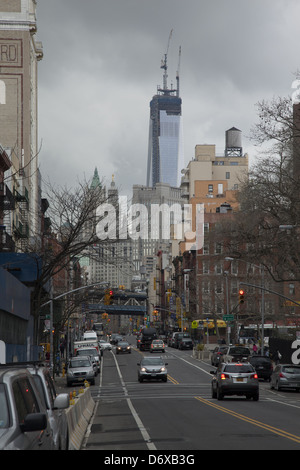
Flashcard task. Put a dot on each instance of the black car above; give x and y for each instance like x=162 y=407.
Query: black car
x=123 y=347
x=185 y=343
x=263 y=366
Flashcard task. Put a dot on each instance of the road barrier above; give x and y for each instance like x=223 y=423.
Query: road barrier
x=78 y=417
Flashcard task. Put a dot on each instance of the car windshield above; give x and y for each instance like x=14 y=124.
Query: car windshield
x=87 y=352
x=122 y=343
x=239 y=350
x=4 y=410
x=291 y=369
x=156 y=361
x=238 y=368
x=79 y=363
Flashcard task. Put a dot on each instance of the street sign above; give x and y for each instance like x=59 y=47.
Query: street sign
x=228 y=317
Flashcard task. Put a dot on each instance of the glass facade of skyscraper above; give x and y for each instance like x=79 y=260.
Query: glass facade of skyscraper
x=165 y=157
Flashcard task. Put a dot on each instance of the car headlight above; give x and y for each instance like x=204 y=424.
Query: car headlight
x=163 y=369
x=143 y=369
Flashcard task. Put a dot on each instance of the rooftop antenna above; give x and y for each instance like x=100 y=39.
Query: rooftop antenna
x=164 y=64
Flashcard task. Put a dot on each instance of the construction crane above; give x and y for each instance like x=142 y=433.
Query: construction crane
x=177 y=73
x=164 y=64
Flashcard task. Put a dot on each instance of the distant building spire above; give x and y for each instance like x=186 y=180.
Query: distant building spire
x=96 y=181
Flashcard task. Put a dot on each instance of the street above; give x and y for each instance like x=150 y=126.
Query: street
x=180 y=415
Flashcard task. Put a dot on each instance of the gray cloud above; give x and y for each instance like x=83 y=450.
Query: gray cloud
x=101 y=68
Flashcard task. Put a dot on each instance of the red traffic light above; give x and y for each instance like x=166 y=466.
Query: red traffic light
x=241 y=296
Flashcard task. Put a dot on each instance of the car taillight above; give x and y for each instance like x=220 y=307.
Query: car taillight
x=254 y=376
x=224 y=376
x=281 y=375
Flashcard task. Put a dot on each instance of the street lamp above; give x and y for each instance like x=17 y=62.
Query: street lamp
x=262 y=269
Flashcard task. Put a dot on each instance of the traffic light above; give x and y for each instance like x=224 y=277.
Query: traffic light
x=241 y=296
x=109 y=297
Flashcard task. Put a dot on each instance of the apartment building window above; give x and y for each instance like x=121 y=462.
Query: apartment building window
x=206 y=287
x=234 y=287
x=218 y=268
x=210 y=188
x=219 y=288
x=205 y=267
x=206 y=249
x=218 y=249
x=291 y=289
x=228 y=175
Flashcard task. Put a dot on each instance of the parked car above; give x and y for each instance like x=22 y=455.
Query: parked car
x=235 y=379
x=176 y=338
x=80 y=368
x=157 y=345
x=263 y=366
x=54 y=404
x=90 y=335
x=217 y=355
x=185 y=343
x=93 y=353
x=236 y=353
x=123 y=347
x=152 y=368
x=286 y=376
x=24 y=423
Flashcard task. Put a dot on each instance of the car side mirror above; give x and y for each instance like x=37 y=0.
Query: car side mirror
x=213 y=372
x=138 y=363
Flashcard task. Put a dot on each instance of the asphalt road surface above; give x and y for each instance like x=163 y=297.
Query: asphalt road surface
x=180 y=415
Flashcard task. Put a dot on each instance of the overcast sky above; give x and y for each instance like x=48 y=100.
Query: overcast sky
x=101 y=67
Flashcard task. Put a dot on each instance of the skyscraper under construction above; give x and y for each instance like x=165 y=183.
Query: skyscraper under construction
x=165 y=150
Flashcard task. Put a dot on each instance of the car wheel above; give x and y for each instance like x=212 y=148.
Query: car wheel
x=165 y=379
x=256 y=397
x=213 y=393
x=140 y=379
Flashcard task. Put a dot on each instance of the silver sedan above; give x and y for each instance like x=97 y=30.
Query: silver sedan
x=286 y=376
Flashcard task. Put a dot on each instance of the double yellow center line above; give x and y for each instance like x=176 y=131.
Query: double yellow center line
x=267 y=427
x=174 y=381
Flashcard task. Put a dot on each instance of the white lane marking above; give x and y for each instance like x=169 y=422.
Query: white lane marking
x=138 y=421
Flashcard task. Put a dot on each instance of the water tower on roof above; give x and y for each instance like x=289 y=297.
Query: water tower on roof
x=233 y=146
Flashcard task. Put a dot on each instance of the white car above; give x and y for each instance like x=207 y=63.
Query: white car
x=104 y=345
x=54 y=404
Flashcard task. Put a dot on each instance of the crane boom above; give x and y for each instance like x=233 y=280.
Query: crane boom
x=164 y=63
x=178 y=69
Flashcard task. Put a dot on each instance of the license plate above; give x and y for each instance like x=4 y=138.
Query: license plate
x=239 y=379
